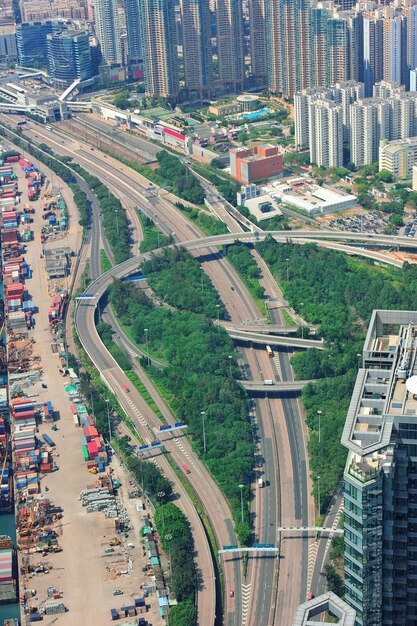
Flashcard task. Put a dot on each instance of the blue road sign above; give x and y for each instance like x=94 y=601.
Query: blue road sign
x=230 y=547
x=263 y=545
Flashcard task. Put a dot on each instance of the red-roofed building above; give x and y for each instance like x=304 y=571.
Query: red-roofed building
x=249 y=164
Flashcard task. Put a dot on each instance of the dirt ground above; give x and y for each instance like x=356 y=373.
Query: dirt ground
x=81 y=570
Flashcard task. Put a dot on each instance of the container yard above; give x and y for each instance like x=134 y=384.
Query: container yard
x=78 y=513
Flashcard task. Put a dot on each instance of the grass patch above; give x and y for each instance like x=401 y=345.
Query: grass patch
x=208 y=224
x=105 y=262
x=152 y=236
x=134 y=378
x=288 y=320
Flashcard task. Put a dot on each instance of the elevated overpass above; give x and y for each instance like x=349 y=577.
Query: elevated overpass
x=274 y=340
x=268 y=329
x=276 y=388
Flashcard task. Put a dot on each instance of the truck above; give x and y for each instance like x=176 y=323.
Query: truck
x=268 y=382
x=261 y=483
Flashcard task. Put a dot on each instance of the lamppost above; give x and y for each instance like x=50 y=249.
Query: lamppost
x=108 y=418
x=218 y=317
x=302 y=321
x=202 y=276
x=318 y=488
x=117 y=221
x=147 y=346
x=241 y=500
x=161 y=494
x=203 y=413
x=359 y=359
x=319 y=413
x=168 y=538
x=288 y=270
x=230 y=365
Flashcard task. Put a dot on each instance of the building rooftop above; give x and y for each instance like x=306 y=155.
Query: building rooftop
x=307 y=612
x=391 y=147
x=309 y=196
x=381 y=394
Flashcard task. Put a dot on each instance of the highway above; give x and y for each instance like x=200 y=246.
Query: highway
x=214 y=502
x=282 y=414
x=246 y=336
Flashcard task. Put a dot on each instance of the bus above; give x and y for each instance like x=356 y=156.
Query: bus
x=269 y=352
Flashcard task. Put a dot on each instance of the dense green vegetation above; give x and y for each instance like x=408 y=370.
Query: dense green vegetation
x=240 y=257
x=178 y=279
x=199 y=377
x=177 y=541
x=147 y=474
x=182 y=182
x=227 y=187
x=207 y=223
x=183 y=614
x=339 y=293
x=152 y=236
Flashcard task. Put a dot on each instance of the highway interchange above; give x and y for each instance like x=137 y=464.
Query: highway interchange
x=273 y=587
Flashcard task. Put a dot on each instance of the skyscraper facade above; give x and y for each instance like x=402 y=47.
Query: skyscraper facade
x=133 y=30
x=288 y=45
x=230 y=52
x=380 y=477
x=196 y=44
x=108 y=30
x=373 y=51
x=326 y=133
x=69 y=57
x=31 y=43
x=369 y=123
x=160 y=60
x=258 y=48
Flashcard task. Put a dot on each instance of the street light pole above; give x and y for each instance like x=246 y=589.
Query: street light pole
x=117 y=221
x=288 y=270
x=302 y=319
x=161 y=494
x=230 y=365
x=168 y=538
x=203 y=413
x=108 y=418
x=147 y=346
x=359 y=359
x=318 y=487
x=218 y=318
x=241 y=500
x=319 y=413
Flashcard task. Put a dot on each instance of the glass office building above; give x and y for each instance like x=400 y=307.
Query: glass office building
x=31 y=38
x=380 y=478
x=69 y=57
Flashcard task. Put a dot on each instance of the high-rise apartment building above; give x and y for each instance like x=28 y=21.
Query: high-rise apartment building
x=380 y=477
x=32 y=48
x=229 y=37
x=69 y=58
x=326 y=133
x=320 y=46
x=258 y=50
x=369 y=123
x=108 y=30
x=160 y=60
x=288 y=45
x=196 y=47
x=373 y=52
x=395 y=49
x=133 y=31
x=343 y=94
